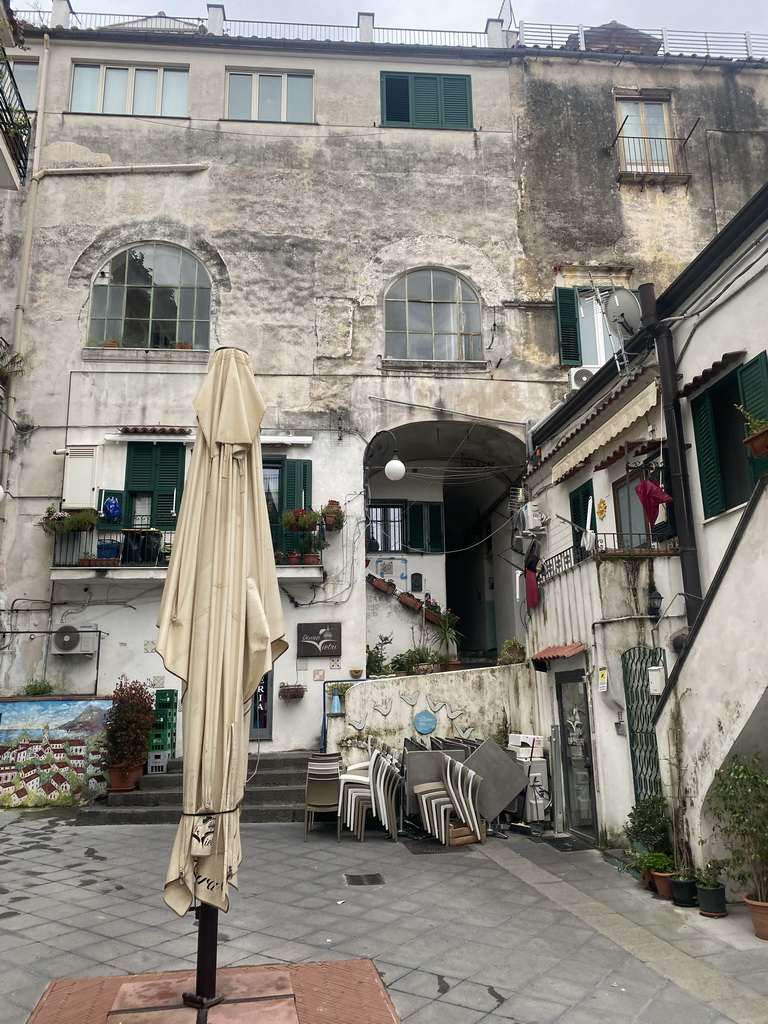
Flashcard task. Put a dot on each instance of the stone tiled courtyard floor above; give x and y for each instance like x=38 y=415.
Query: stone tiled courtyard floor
x=510 y=931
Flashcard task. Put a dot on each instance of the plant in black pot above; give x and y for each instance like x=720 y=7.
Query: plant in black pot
x=127 y=726
x=710 y=890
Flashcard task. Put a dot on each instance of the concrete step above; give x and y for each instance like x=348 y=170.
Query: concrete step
x=255 y=796
x=264 y=778
x=100 y=813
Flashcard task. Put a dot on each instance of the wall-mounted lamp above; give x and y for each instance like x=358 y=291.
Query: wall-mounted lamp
x=395 y=468
x=655 y=601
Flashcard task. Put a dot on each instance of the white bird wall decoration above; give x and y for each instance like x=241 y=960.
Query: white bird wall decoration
x=453 y=715
x=412 y=699
x=359 y=725
x=384 y=708
x=464 y=733
x=434 y=707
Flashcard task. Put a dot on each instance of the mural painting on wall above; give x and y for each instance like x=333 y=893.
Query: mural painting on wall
x=49 y=751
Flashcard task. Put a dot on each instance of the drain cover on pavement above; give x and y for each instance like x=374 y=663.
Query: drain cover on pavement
x=431 y=846
x=364 y=879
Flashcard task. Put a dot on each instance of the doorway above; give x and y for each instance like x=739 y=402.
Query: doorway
x=578 y=772
x=261 y=711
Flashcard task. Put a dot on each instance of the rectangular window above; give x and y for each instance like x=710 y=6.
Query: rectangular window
x=426 y=101
x=25 y=76
x=270 y=96
x=727 y=472
x=645 y=139
x=414 y=526
x=287 y=485
x=143 y=92
x=582 y=327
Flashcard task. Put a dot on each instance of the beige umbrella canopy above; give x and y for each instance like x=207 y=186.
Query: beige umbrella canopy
x=221 y=626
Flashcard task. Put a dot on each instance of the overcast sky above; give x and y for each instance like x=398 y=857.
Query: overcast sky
x=467 y=15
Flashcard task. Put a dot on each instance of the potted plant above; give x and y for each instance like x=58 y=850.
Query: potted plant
x=379 y=583
x=403 y=664
x=424 y=658
x=711 y=891
x=757 y=433
x=512 y=653
x=312 y=545
x=54 y=522
x=127 y=726
x=375 y=665
x=648 y=825
x=291 y=691
x=299 y=519
x=431 y=610
x=661 y=867
x=448 y=637
x=410 y=601
x=87 y=558
x=334 y=515
x=738 y=802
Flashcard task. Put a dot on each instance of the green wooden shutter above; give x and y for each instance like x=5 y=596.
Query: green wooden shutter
x=395 y=98
x=753 y=392
x=567 y=305
x=579 y=503
x=296 y=493
x=457 y=101
x=426 y=101
x=168 y=485
x=436 y=542
x=139 y=467
x=414 y=525
x=104 y=522
x=712 y=496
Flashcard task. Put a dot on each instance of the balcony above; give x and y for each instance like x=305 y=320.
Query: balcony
x=652 y=161
x=15 y=130
x=608 y=545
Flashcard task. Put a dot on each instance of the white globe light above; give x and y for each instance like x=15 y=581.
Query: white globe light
x=394 y=470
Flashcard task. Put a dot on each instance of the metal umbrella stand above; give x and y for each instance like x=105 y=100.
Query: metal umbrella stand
x=220 y=630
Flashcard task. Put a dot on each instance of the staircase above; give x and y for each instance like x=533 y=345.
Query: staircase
x=275 y=793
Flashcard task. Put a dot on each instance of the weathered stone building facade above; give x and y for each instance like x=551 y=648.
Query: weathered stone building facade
x=382 y=222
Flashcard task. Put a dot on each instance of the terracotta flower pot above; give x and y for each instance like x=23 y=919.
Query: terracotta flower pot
x=662 y=882
x=311 y=558
x=123 y=777
x=330 y=524
x=294 y=558
x=758 y=443
x=410 y=602
x=759 y=914
x=431 y=616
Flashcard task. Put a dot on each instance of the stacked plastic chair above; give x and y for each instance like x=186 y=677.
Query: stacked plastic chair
x=321 y=792
x=455 y=795
x=372 y=786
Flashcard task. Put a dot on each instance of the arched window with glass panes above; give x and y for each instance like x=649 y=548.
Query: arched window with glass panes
x=151 y=295
x=432 y=314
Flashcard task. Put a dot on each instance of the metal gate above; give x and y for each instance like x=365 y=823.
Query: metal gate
x=640 y=707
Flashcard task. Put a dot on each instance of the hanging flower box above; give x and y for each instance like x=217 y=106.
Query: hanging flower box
x=378 y=583
x=758 y=443
x=410 y=602
x=300 y=519
x=291 y=691
x=431 y=616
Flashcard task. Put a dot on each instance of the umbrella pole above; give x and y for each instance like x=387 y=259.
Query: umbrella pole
x=207 y=940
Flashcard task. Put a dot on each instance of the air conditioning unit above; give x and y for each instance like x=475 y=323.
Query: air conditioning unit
x=579 y=376
x=530 y=520
x=76 y=640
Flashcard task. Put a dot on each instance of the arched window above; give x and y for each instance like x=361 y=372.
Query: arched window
x=432 y=314
x=152 y=295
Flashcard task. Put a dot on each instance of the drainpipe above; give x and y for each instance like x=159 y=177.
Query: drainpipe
x=26 y=251
x=673 y=421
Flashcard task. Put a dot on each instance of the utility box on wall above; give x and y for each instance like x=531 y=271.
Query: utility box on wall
x=82 y=474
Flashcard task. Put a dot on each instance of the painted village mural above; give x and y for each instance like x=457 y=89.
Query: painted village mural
x=49 y=751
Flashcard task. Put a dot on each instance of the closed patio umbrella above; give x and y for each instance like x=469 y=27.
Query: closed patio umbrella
x=220 y=627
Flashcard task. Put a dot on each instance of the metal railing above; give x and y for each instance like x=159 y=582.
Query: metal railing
x=713 y=45
x=640 y=154
x=15 y=126
x=620 y=545
x=716 y=45
x=133 y=546
x=428 y=37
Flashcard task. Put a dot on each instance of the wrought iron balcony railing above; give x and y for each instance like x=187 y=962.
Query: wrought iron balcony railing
x=619 y=545
x=15 y=127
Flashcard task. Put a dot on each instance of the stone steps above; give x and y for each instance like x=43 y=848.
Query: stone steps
x=275 y=792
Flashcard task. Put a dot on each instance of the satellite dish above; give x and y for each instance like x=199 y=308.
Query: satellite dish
x=623 y=313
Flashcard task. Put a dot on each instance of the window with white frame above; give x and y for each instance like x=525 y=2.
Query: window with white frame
x=646 y=138
x=270 y=96
x=112 y=89
x=432 y=314
x=151 y=295
x=25 y=76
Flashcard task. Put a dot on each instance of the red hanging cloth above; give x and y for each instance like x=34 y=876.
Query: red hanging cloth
x=651 y=496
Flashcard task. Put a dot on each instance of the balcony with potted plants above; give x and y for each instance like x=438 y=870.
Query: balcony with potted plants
x=299 y=558
x=87 y=543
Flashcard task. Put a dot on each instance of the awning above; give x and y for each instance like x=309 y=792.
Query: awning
x=558 y=651
x=711 y=371
x=622 y=420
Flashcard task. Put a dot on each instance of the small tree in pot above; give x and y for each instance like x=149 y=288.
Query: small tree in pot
x=127 y=726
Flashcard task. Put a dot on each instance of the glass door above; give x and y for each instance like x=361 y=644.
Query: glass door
x=261 y=720
x=573 y=707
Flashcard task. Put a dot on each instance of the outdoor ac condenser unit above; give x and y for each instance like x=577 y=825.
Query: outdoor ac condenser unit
x=76 y=640
x=579 y=375
x=529 y=519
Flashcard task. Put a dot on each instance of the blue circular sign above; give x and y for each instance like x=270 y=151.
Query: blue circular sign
x=424 y=723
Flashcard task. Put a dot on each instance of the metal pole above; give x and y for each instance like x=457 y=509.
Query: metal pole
x=207 y=939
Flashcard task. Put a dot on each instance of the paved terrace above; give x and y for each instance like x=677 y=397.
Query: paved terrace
x=511 y=931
